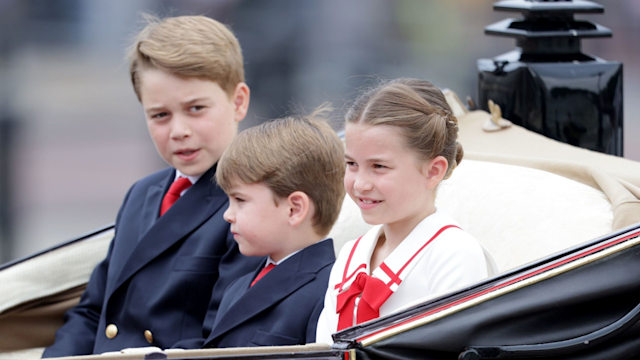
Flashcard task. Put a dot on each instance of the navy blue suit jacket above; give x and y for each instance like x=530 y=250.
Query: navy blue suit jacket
x=282 y=308
x=159 y=273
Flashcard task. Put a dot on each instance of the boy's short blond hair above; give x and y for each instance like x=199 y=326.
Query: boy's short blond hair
x=188 y=46
x=290 y=154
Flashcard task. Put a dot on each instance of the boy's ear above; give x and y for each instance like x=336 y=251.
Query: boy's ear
x=299 y=207
x=241 y=96
x=435 y=170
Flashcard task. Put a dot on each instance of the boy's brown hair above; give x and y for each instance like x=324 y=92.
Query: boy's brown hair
x=290 y=154
x=188 y=46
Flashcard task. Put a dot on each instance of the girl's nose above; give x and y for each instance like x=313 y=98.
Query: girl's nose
x=361 y=183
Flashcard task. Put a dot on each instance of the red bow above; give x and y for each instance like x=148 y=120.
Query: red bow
x=374 y=293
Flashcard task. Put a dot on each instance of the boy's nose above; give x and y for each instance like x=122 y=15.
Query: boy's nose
x=227 y=215
x=180 y=128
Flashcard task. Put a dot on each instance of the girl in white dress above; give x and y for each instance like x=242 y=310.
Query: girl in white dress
x=400 y=144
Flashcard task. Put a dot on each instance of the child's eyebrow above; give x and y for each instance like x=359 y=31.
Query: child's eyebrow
x=195 y=100
x=154 y=108
x=377 y=161
x=369 y=160
x=234 y=193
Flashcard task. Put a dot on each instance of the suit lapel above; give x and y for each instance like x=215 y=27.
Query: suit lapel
x=197 y=205
x=151 y=206
x=279 y=283
x=130 y=238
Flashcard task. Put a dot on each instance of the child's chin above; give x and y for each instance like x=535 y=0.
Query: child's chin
x=192 y=170
x=370 y=220
x=249 y=252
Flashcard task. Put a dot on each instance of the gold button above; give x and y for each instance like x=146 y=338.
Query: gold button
x=111 y=331
x=149 y=336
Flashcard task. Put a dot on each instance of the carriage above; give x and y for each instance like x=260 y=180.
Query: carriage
x=560 y=226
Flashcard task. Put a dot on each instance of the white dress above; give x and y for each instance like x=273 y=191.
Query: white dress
x=435 y=258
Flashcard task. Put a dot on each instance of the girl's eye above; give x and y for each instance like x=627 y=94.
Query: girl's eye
x=196 y=108
x=351 y=163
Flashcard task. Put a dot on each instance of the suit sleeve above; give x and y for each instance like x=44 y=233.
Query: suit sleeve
x=328 y=319
x=77 y=334
x=313 y=321
x=327 y=322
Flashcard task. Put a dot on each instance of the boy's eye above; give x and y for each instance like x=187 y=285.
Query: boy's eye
x=379 y=166
x=196 y=108
x=159 y=115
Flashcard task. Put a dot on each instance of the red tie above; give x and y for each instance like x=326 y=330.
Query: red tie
x=181 y=184
x=263 y=272
x=374 y=294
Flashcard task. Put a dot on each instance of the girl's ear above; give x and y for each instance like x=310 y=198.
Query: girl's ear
x=241 y=96
x=435 y=170
x=299 y=207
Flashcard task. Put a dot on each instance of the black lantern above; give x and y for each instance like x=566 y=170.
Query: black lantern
x=547 y=84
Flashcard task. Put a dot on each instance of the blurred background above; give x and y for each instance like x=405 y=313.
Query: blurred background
x=73 y=136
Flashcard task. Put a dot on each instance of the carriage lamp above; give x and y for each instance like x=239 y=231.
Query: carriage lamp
x=547 y=84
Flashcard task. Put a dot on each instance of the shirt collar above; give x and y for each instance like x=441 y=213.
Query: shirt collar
x=193 y=179
x=270 y=260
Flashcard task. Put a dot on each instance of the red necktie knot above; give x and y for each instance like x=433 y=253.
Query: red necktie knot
x=373 y=293
x=181 y=184
x=263 y=272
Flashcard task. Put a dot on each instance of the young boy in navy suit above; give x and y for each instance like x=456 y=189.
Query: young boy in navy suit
x=284 y=180
x=171 y=243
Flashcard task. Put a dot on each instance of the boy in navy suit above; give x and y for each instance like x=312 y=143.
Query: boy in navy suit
x=172 y=255
x=284 y=182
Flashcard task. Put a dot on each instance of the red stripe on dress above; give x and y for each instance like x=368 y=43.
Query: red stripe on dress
x=346 y=268
x=425 y=245
x=394 y=278
x=372 y=291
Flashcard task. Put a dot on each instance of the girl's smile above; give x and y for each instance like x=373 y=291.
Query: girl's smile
x=385 y=178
